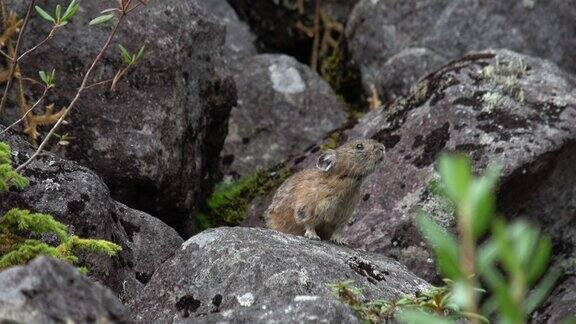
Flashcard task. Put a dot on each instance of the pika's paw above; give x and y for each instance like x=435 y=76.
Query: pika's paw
x=339 y=241
x=312 y=236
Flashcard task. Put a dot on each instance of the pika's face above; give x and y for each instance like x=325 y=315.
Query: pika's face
x=356 y=158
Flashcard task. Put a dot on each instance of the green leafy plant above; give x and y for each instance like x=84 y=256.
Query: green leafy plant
x=511 y=260
x=59 y=17
x=436 y=300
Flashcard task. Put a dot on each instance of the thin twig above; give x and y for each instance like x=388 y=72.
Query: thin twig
x=6 y=55
x=316 y=43
x=76 y=97
x=14 y=63
x=98 y=84
x=49 y=37
x=46 y=89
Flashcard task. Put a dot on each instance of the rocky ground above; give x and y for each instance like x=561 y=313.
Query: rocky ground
x=228 y=90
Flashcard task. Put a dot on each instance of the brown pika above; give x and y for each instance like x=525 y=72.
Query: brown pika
x=317 y=203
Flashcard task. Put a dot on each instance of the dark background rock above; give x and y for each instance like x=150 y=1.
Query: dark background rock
x=240 y=41
x=77 y=197
x=49 y=291
x=163 y=128
x=561 y=304
x=380 y=32
x=244 y=272
x=275 y=22
x=283 y=107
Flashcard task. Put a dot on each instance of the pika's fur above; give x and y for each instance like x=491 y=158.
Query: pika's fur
x=317 y=203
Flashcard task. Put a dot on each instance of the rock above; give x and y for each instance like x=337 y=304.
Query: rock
x=276 y=23
x=240 y=41
x=283 y=107
x=256 y=275
x=50 y=291
x=163 y=128
x=560 y=306
x=518 y=113
x=77 y=197
x=151 y=241
x=396 y=42
x=525 y=124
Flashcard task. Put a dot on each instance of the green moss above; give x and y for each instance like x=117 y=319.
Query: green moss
x=8 y=177
x=436 y=300
x=229 y=203
x=334 y=140
x=17 y=225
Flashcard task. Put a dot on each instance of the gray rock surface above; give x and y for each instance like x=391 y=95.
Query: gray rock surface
x=240 y=41
x=48 y=291
x=77 y=197
x=163 y=128
x=256 y=275
x=533 y=139
x=383 y=35
x=283 y=107
x=560 y=306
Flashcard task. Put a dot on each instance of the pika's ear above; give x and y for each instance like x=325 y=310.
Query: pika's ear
x=326 y=160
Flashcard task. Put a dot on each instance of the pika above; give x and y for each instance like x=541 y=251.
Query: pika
x=317 y=203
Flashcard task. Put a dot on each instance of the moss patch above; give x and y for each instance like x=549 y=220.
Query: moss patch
x=229 y=203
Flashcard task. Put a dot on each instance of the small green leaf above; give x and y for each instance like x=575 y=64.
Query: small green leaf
x=71 y=10
x=140 y=53
x=101 y=19
x=540 y=259
x=44 y=14
x=480 y=202
x=126 y=57
x=58 y=12
x=456 y=174
x=43 y=77
x=542 y=290
x=444 y=245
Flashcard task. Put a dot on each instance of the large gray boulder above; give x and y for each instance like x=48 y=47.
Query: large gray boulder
x=397 y=42
x=283 y=107
x=163 y=128
x=254 y=275
x=77 y=197
x=48 y=291
x=494 y=106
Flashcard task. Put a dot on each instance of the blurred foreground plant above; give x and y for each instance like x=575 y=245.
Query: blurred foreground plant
x=510 y=262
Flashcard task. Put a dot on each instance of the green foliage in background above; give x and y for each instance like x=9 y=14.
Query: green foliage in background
x=493 y=270
x=20 y=230
x=229 y=202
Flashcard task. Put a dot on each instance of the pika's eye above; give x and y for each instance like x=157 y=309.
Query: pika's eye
x=359 y=146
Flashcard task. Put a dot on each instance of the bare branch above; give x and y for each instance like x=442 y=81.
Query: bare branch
x=16 y=49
